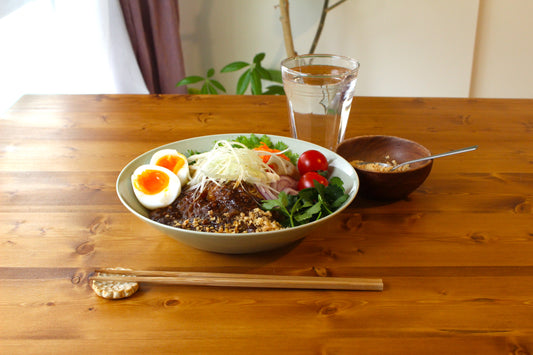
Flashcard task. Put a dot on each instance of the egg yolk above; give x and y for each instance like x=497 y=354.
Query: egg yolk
x=151 y=182
x=171 y=162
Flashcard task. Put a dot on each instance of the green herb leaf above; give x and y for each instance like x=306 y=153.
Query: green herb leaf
x=192 y=152
x=271 y=204
x=335 y=180
x=283 y=198
x=309 y=195
x=340 y=201
x=266 y=139
x=251 y=142
x=280 y=205
x=310 y=204
x=289 y=154
x=308 y=213
x=210 y=72
x=279 y=145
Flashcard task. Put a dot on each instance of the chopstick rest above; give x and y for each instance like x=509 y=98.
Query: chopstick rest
x=237 y=280
x=114 y=289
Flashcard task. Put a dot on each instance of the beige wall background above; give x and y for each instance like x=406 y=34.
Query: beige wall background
x=437 y=48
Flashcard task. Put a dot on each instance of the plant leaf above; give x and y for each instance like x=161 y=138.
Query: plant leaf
x=210 y=72
x=193 y=91
x=275 y=75
x=259 y=57
x=205 y=89
x=256 y=83
x=263 y=73
x=218 y=85
x=190 y=80
x=211 y=89
x=234 y=67
x=243 y=82
x=274 y=90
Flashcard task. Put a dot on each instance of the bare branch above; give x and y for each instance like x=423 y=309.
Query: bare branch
x=320 y=27
x=335 y=5
x=286 y=26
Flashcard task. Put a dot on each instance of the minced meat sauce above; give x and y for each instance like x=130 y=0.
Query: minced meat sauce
x=221 y=208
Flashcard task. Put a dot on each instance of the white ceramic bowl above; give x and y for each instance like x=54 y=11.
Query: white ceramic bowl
x=226 y=242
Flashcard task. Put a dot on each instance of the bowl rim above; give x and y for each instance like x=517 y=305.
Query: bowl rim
x=352 y=193
x=419 y=167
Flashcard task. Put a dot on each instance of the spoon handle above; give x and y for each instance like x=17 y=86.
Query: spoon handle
x=451 y=152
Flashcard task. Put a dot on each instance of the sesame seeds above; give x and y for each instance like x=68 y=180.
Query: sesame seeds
x=380 y=168
x=255 y=220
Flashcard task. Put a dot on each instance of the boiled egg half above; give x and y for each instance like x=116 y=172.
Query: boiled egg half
x=173 y=161
x=155 y=186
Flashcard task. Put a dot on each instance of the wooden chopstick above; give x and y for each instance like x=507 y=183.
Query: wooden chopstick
x=239 y=280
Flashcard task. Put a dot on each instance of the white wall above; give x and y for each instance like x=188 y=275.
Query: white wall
x=503 y=66
x=452 y=48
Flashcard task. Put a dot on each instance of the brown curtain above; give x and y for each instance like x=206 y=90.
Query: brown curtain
x=153 y=28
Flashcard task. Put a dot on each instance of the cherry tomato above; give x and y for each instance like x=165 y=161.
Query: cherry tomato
x=307 y=180
x=312 y=160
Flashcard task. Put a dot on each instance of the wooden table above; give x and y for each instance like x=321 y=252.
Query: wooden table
x=456 y=257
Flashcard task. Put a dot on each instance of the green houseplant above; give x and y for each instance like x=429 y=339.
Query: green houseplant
x=253 y=76
x=255 y=73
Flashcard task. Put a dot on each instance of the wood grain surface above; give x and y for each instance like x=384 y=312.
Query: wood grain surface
x=456 y=256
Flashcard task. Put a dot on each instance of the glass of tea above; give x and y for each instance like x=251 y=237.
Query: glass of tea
x=319 y=89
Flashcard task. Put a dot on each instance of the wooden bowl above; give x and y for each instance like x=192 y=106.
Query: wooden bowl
x=387 y=185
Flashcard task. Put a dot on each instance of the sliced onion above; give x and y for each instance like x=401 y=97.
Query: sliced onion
x=286 y=184
x=266 y=192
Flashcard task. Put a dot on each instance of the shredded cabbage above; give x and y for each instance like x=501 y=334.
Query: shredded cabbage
x=230 y=161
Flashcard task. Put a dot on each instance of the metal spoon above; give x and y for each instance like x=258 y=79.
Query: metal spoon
x=451 y=152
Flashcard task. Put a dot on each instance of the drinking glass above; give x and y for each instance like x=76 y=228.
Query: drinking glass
x=319 y=90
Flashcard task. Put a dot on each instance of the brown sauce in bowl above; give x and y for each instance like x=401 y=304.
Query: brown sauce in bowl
x=223 y=208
